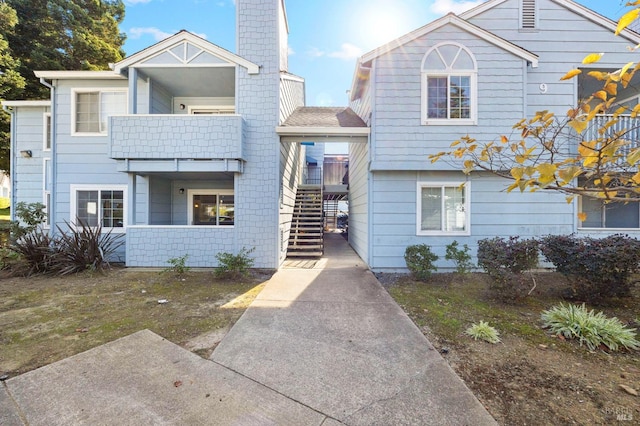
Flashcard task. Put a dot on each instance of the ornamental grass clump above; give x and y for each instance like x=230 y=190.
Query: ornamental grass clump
x=483 y=331
x=590 y=328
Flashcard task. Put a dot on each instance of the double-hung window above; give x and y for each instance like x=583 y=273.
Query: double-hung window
x=443 y=208
x=97 y=205
x=92 y=109
x=449 y=92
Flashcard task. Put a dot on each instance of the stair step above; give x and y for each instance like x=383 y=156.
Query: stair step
x=310 y=254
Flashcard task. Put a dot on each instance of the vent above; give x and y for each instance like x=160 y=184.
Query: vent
x=529 y=14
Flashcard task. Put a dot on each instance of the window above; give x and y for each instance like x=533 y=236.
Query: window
x=46 y=137
x=449 y=85
x=95 y=206
x=92 y=109
x=211 y=207
x=609 y=215
x=443 y=208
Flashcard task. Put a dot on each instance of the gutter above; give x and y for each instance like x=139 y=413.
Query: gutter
x=54 y=160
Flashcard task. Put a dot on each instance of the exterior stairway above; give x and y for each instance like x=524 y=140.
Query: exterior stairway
x=305 y=239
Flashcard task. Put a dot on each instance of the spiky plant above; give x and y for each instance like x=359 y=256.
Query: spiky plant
x=483 y=331
x=588 y=327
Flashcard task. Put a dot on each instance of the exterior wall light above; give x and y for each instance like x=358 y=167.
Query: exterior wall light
x=26 y=153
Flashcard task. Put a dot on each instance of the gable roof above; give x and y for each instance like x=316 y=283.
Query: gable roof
x=189 y=41
x=463 y=25
x=568 y=4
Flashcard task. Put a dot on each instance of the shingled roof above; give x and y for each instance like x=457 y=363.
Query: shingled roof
x=326 y=117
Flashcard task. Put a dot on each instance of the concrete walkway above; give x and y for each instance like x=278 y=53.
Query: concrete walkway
x=323 y=345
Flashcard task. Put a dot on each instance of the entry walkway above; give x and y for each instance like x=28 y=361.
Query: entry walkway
x=320 y=346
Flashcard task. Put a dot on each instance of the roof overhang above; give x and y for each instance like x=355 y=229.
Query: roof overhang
x=13 y=104
x=74 y=75
x=323 y=134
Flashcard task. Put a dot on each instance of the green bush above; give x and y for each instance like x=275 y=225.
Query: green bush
x=590 y=328
x=234 y=265
x=505 y=261
x=8 y=258
x=597 y=268
x=420 y=259
x=460 y=257
x=178 y=265
x=483 y=331
x=29 y=217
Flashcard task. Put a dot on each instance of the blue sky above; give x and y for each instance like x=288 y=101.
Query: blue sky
x=325 y=36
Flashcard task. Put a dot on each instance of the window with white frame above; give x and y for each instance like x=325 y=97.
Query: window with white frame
x=443 y=208
x=93 y=107
x=46 y=136
x=599 y=214
x=97 y=205
x=211 y=207
x=449 y=92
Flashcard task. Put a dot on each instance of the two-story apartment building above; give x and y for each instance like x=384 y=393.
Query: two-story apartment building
x=188 y=148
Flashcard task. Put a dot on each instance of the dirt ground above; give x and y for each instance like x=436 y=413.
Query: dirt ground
x=46 y=319
x=531 y=377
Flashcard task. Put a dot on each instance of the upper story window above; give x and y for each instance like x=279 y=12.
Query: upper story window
x=93 y=107
x=443 y=208
x=449 y=92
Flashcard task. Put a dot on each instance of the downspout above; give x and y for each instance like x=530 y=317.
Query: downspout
x=54 y=160
x=13 y=144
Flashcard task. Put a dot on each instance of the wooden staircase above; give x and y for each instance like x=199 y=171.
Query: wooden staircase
x=305 y=239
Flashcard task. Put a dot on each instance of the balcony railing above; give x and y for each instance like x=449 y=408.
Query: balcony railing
x=154 y=137
x=624 y=123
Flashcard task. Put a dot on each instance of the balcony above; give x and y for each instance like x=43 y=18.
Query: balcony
x=629 y=126
x=176 y=137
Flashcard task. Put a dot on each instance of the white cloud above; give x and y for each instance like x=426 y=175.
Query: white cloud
x=314 y=52
x=157 y=34
x=347 y=51
x=290 y=51
x=442 y=7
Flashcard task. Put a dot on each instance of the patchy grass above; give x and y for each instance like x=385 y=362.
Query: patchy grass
x=4 y=216
x=45 y=319
x=532 y=376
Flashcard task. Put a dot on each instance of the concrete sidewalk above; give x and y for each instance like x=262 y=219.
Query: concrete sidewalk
x=318 y=346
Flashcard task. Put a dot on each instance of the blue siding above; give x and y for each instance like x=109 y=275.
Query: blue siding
x=359 y=199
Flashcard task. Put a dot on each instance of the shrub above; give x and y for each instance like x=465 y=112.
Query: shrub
x=234 y=265
x=30 y=216
x=178 y=265
x=461 y=257
x=8 y=258
x=419 y=259
x=84 y=248
x=597 y=268
x=594 y=330
x=505 y=261
x=483 y=331
x=35 y=248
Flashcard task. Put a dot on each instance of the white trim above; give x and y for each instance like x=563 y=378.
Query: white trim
x=460 y=23
x=45 y=191
x=26 y=103
x=73 y=203
x=286 y=76
x=215 y=109
x=100 y=90
x=317 y=131
x=45 y=134
x=182 y=37
x=216 y=192
x=74 y=75
x=443 y=184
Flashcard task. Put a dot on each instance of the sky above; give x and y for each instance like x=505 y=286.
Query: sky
x=325 y=36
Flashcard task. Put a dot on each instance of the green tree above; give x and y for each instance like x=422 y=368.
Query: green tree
x=11 y=82
x=580 y=153
x=53 y=35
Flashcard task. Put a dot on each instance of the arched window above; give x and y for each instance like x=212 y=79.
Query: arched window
x=449 y=85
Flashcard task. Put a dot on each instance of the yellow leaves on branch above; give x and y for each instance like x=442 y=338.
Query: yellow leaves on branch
x=571 y=74
x=627 y=19
x=592 y=58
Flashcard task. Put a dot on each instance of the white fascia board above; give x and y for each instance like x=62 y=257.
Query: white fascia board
x=463 y=25
x=480 y=9
x=320 y=131
x=292 y=77
x=26 y=103
x=82 y=75
x=180 y=37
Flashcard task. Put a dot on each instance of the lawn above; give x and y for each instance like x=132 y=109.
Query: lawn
x=4 y=216
x=531 y=377
x=46 y=319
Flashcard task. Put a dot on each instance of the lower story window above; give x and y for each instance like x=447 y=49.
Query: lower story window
x=211 y=207
x=97 y=206
x=443 y=208
x=609 y=215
